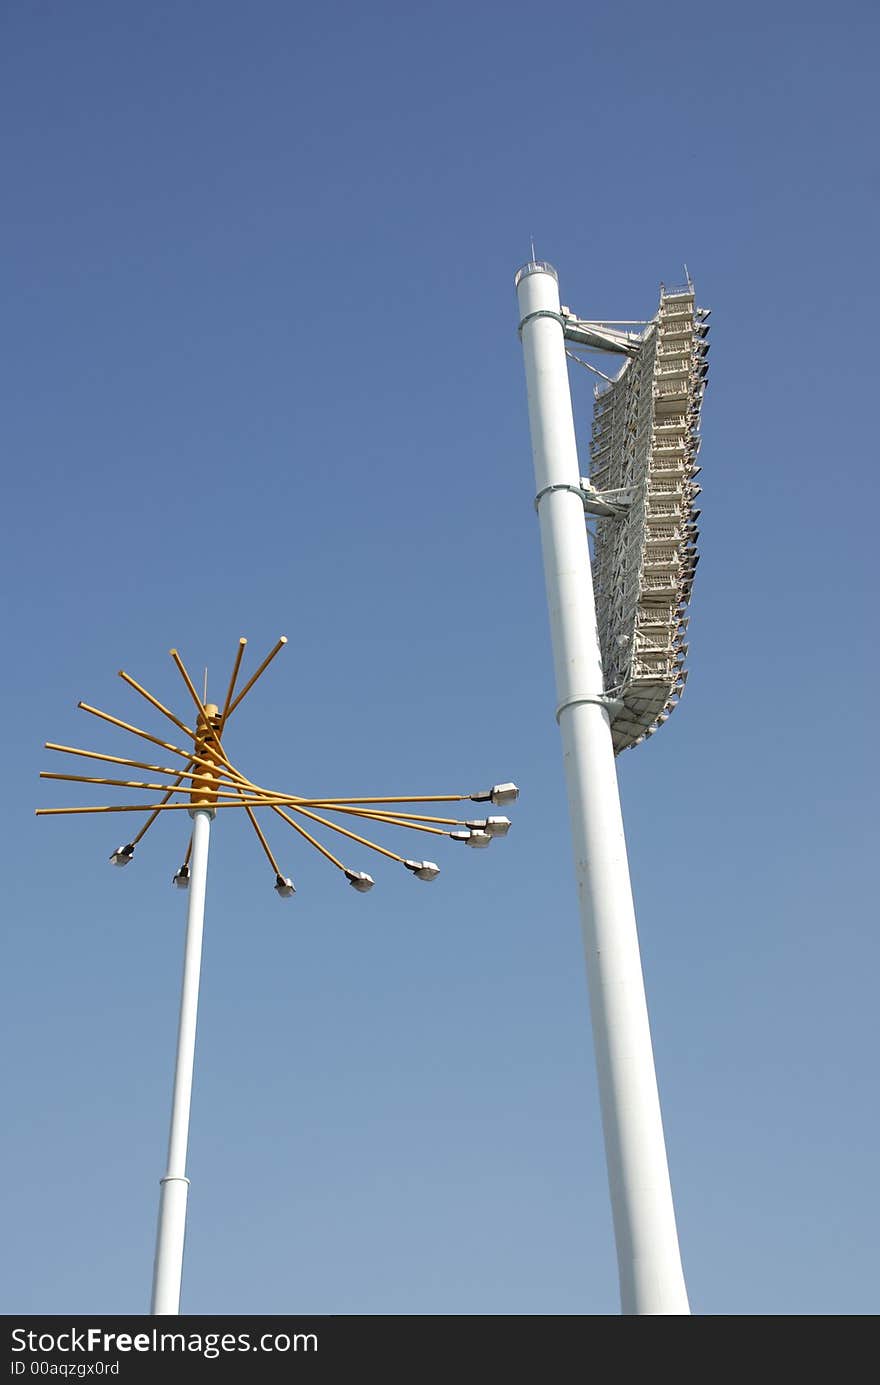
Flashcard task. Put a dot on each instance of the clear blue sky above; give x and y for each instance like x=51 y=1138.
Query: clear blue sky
x=263 y=377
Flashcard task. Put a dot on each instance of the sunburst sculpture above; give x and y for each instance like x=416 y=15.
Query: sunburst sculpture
x=206 y=778
x=204 y=781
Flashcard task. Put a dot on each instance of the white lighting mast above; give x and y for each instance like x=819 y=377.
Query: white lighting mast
x=649 y=1261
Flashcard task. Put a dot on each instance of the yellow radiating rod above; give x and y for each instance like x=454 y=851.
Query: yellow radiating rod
x=388 y=816
x=394 y=821
x=364 y=841
x=263 y=666
x=188 y=681
x=155 y=813
x=246 y=783
x=136 y=731
x=228 y=791
x=122 y=760
x=423 y=798
x=263 y=843
x=188 y=850
x=265 y=802
x=299 y=803
x=187 y=755
x=309 y=838
x=155 y=702
x=235 y=667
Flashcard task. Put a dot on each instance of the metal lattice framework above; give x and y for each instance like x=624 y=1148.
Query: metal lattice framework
x=205 y=777
x=644 y=451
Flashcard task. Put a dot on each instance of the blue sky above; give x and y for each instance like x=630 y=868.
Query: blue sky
x=263 y=377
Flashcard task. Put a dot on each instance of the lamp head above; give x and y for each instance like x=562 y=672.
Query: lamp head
x=423 y=870
x=504 y=793
x=180 y=881
x=284 y=887
x=359 y=880
x=122 y=855
x=478 y=838
x=473 y=836
x=498 y=826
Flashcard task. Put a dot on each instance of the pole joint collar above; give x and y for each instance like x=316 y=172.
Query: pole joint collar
x=559 y=486
x=540 y=312
x=606 y=504
x=174 y=1178
x=611 y=704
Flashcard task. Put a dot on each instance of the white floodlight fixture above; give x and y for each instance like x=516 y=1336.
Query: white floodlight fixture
x=472 y=837
x=423 y=870
x=359 y=880
x=493 y=827
x=284 y=887
x=180 y=880
x=498 y=826
x=477 y=838
x=498 y=794
x=655 y=542
x=504 y=793
x=122 y=855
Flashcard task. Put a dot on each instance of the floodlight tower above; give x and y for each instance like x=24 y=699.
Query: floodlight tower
x=649 y=1260
x=208 y=782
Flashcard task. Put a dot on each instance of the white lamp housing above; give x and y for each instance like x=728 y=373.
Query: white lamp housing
x=504 y=793
x=498 y=826
x=359 y=880
x=284 y=887
x=180 y=881
x=423 y=870
x=122 y=855
x=478 y=838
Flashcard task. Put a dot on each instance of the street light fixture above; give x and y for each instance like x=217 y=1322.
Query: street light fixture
x=204 y=782
x=423 y=870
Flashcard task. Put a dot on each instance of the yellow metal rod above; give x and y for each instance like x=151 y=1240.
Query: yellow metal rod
x=136 y=731
x=112 y=759
x=121 y=760
x=188 y=681
x=364 y=841
x=425 y=798
x=155 y=702
x=392 y=820
x=187 y=755
x=228 y=791
x=263 y=666
x=263 y=843
x=309 y=838
x=235 y=667
x=388 y=816
x=250 y=812
x=116 y=783
x=188 y=851
x=169 y=807
x=155 y=813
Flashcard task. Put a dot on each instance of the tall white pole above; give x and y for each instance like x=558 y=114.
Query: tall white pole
x=168 y=1266
x=648 y=1257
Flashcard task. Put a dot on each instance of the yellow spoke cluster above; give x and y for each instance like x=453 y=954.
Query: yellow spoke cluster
x=206 y=778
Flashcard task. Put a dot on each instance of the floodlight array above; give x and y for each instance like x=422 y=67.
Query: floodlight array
x=645 y=440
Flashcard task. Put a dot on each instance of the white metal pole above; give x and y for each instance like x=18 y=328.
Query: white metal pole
x=649 y=1261
x=168 y=1266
